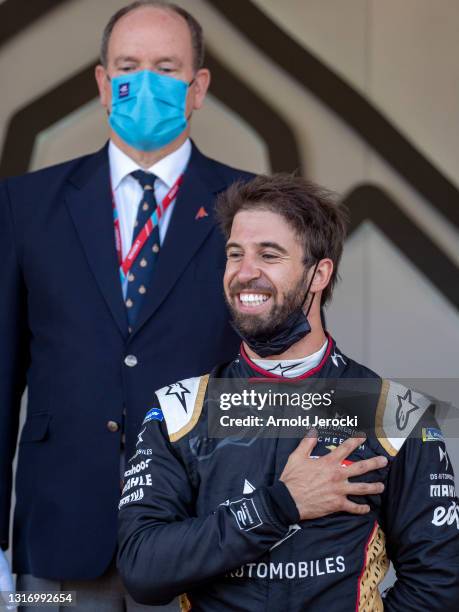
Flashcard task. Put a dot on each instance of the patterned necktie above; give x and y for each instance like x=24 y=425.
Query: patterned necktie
x=140 y=273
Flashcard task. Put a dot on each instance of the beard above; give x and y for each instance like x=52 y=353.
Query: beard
x=263 y=325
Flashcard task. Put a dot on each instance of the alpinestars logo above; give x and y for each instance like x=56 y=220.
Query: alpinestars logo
x=139 y=437
x=443 y=457
x=405 y=407
x=180 y=391
x=280 y=369
x=335 y=358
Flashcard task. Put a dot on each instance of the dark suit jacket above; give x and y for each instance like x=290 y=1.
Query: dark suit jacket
x=63 y=331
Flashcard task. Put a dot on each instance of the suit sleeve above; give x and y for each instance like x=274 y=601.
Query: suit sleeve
x=13 y=355
x=164 y=548
x=422 y=528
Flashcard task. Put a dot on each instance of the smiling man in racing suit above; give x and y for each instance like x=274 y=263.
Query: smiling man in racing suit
x=265 y=523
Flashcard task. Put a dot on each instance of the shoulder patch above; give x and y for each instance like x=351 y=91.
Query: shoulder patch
x=181 y=405
x=154 y=414
x=399 y=410
x=432 y=434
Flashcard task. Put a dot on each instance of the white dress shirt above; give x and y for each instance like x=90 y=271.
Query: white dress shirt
x=128 y=192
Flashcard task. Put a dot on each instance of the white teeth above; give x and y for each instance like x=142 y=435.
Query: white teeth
x=253 y=299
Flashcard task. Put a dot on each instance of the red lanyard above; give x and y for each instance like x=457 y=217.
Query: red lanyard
x=147 y=229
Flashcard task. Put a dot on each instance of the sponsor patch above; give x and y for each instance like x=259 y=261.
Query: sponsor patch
x=123 y=90
x=132 y=497
x=432 y=434
x=137 y=481
x=141 y=451
x=443 y=490
x=154 y=414
x=138 y=467
x=314 y=568
x=441 y=477
x=446 y=516
x=246 y=514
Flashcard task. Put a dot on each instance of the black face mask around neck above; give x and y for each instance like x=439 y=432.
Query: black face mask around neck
x=282 y=337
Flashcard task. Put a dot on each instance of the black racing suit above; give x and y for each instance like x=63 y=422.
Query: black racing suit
x=209 y=518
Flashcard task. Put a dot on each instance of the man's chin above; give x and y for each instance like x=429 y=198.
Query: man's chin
x=250 y=324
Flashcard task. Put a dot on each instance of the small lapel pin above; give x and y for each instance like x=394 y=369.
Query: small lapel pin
x=201 y=213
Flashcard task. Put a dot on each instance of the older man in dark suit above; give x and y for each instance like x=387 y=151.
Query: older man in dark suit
x=110 y=273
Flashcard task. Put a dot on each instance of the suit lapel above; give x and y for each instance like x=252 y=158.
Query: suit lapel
x=89 y=202
x=186 y=232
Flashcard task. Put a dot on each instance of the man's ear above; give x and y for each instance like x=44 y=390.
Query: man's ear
x=322 y=276
x=201 y=85
x=103 y=85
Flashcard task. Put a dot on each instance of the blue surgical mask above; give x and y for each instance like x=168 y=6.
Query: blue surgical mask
x=148 y=109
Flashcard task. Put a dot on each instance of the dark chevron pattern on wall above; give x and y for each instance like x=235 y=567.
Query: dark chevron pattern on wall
x=280 y=140
x=29 y=121
x=80 y=89
x=366 y=202
x=371 y=203
x=351 y=106
x=16 y=15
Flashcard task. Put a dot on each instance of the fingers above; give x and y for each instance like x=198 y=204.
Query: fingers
x=307 y=444
x=363 y=488
x=367 y=465
x=346 y=448
x=354 y=508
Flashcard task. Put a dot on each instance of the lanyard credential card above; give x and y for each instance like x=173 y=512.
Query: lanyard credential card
x=147 y=229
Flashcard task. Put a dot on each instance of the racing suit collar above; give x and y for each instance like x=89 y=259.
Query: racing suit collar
x=258 y=372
